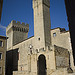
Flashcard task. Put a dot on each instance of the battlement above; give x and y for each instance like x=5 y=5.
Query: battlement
x=18 y=26
x=17 y=32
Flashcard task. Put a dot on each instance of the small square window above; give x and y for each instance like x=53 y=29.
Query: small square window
x=1 y=44
x=0 y=70
x=39 y=39
x=0 y=55
x=54 y=34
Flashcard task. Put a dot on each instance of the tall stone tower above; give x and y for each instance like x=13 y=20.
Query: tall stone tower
x=42 y=24
x=16 y=33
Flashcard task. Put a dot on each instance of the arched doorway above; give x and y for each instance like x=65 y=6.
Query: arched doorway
x=41 y=65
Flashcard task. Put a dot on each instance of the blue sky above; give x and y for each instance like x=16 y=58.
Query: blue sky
x=21 y=10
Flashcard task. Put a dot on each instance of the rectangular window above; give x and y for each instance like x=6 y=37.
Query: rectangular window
x=0 y=70
x=54 y=34
x=0 y=55
x=1 y=44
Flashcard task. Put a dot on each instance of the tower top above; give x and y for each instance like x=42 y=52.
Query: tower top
x=37 y=2
x=18 y=26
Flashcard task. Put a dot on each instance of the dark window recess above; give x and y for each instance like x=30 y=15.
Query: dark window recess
x=1 y=43
x=18 y=55
x=0 y=70
x=39 y=39
x=0 y=55
x=54 y=34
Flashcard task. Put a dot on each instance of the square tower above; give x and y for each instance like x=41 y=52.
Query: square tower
x=42 y=24
x=16 y=33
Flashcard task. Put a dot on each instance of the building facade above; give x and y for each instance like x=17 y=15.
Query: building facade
x=36 y=55
x=60 y=37
x=3 y=49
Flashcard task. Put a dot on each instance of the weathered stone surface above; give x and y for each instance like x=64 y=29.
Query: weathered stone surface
x=62 y=39
x=33 y=50
x=3 y=49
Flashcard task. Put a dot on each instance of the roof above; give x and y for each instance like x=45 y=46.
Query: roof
x=55 y=28
x=4 y=37
x=61 y=29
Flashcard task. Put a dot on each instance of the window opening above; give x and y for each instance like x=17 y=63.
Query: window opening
x=0 y=55
x=0 y=70
x=54 y=34
x=1 y=44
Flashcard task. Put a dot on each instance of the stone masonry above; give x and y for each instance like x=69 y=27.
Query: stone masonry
x=3 y=49
x=36 y=55
x=18 y=32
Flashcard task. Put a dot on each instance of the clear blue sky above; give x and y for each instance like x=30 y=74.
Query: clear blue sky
x=21 y=10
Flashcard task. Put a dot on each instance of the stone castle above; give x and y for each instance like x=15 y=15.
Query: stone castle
x=48 y=52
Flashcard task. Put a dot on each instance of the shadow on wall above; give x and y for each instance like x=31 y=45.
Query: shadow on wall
x=11 y=61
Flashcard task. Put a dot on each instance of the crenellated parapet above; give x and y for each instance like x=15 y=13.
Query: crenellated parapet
x=16 y=32
x=18 y=26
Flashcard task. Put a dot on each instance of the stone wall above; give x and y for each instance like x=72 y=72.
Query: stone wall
x=3 y=49
x=61 y=39
x=62 y=57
